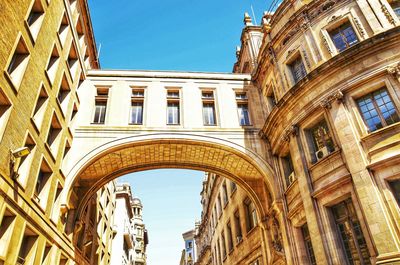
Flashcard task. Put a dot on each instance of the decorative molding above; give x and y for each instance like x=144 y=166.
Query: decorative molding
x=326 y=43
x=335 y=18
x=394 y=70
x=306 y=58
x=388 y=15
x=336 y=96
x=292 y=131
x=359 y=26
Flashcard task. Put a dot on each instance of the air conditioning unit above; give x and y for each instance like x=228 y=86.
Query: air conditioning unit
x=291 y=178
x=321 y=153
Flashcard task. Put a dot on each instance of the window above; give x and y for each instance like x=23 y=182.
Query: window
x=308 y=245
x=208 y=108
x=137 y=113
x=46 y=254
x=297 y=69
x=173 y=108
x=377 y=109
x=233 y=187
x=5 y=107
x=63 y=93
x=350 y=234
x=223 y=247
x=251 y=214
x=35 y=18
x=100 y=105
x=225 y=193
x=395 y=186
x=63 y=29
x=54 y=134
x=288 y=170
x=18 y=63
x=52 y=65
x=42 y=179
x=230 y=236
x=219 y=252
x=219 y=205
x=343 y=36
x=238 y=227
x=243 y=110
x=25 y=162
x=321 y=140
x=72 y=61
x=395 y=4
x=40 y=108
x=27 y=251
x=6 y=231
x=137 y=99
x=173 y=113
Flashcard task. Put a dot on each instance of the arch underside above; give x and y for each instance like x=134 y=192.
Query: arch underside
x=112 y=162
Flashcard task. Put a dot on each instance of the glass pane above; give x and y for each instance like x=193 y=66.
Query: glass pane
x=208 y=114
x=243 y=113
x=137 y=113
x=173 y=113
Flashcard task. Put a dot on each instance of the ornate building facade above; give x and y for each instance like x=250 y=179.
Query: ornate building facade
x=308 y=127
x=130 y=236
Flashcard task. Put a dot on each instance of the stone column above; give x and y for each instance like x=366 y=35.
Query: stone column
x=370 y=199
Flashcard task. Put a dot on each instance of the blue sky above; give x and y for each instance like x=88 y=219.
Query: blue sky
x=170 y=34
x=181 y=35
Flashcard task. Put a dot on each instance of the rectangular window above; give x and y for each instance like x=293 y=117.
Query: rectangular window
x=243 y=112
x=137 y=113
x=251 y=214
x=297 y=69
x=395 y=186
x=242 y=108
x=40 y=108
x=52 y=65
x=6 y=231
x=41 y=188
x=223 y=245
x=308 y=245
x=321 y=140
x=233 y=187
x=27 y=251
x=350 y=234
x=209 y=117
x=208 y=114
x=377 y=109
x=73 y=61
x=100 y=106
x=35 y=18
x=54 y=135
x=63 y=29
x=18 y=63
x=173 y=113
x=173 y=107
x=343 y=36
x=395 y=4
x=238 y=227
x=63 y=94
x=225 y=193
x=288 y=170
x=230 y=236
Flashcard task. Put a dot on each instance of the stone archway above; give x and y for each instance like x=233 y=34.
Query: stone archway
x=170 y=150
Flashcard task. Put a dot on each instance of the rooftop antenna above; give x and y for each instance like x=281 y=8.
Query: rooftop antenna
x=254 y=16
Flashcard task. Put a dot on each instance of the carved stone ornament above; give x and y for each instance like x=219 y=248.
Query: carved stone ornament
x=306 y=58
x=388 y=15
x=292 y=131
x=325 y=40
x=337 y=96
x=359 y=27
x=394 y=70
x=275 y=233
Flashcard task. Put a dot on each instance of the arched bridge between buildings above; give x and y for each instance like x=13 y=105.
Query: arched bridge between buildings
x=101 y=152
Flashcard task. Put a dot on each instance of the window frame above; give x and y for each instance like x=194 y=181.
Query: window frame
x=173 y=100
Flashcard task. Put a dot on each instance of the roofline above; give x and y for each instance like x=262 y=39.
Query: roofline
x=84 y=6
x=169 y=74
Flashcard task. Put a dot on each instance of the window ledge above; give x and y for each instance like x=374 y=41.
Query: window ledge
x=377 y=133
x=312 y=166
